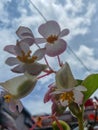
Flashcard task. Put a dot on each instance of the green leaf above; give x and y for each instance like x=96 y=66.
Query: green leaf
x=91 y=83
x=79 y=82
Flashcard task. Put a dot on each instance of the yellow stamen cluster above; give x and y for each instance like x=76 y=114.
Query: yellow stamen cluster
x=52 y=38
x=27 y=58
x=67 y=96
x=8 y=98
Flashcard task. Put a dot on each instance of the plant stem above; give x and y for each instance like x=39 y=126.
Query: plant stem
x=80 y=122
x=60 y=64
x=80 y=119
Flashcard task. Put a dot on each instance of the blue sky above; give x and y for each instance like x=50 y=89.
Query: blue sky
x=80 y=16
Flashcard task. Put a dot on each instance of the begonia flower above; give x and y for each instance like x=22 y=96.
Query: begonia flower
x=52 y=36
x=20 y=86
x=24 y=61
x=66 y=90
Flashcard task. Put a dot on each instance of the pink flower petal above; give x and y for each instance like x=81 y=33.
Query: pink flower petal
x=64 y=32
x=28 y=41
x=40 y=53
x=18 y=69
x=12 y=61
x=10 y=49
x=21 y=47
x=57 y=48
x=40 y=40
x=34 y=69
x=49 y=28
x=48 y=95
x=24 y=32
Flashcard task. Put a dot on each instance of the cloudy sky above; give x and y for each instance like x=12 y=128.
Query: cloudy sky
x=80 y=16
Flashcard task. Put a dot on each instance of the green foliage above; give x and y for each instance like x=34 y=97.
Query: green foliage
x=91 y=83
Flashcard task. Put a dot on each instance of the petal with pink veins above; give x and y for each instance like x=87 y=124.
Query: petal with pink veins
x=64 y=33
x=40 y=53
x=24 y=32
x=12 y=61
x=28 y=41
x=57 y=48
x=21 y=47
x=49 y=28
x=35 y=68
x=10 y=49
x=18 y=69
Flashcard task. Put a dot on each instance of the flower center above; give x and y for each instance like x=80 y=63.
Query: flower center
x=8 y=98
x=52 y=38
x=27 y=58
x=69 y=96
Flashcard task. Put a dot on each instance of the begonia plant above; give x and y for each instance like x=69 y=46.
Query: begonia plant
x=65 y=92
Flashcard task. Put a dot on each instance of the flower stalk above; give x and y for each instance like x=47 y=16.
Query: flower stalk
x=81 y=119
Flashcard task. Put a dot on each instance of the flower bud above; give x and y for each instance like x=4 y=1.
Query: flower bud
x=64 y=125
x=75 y=109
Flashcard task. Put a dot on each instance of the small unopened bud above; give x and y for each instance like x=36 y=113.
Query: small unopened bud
x=63 y=124
x=75 y=109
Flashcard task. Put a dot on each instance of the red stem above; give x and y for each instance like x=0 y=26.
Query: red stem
x=59 y=61
x=58 y=124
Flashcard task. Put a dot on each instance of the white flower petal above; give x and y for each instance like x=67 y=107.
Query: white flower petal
x=28 y=41
x=49 y=28
x=35 y=68
x=61 y=90
x=56 y=48
x=64 y=77
x=10 y=49
x=20 y=86
x=80 y=88
x=78 y=96
x=22 y=47
x=18 y=69
x=40 y=53
x=24 y=32
x=12 y=61
x=64 y=32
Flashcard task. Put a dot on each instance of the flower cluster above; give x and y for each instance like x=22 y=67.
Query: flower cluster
x=26 y=62
x=65 y=91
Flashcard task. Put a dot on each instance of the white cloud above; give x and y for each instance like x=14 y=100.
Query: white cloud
x=87 y=56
